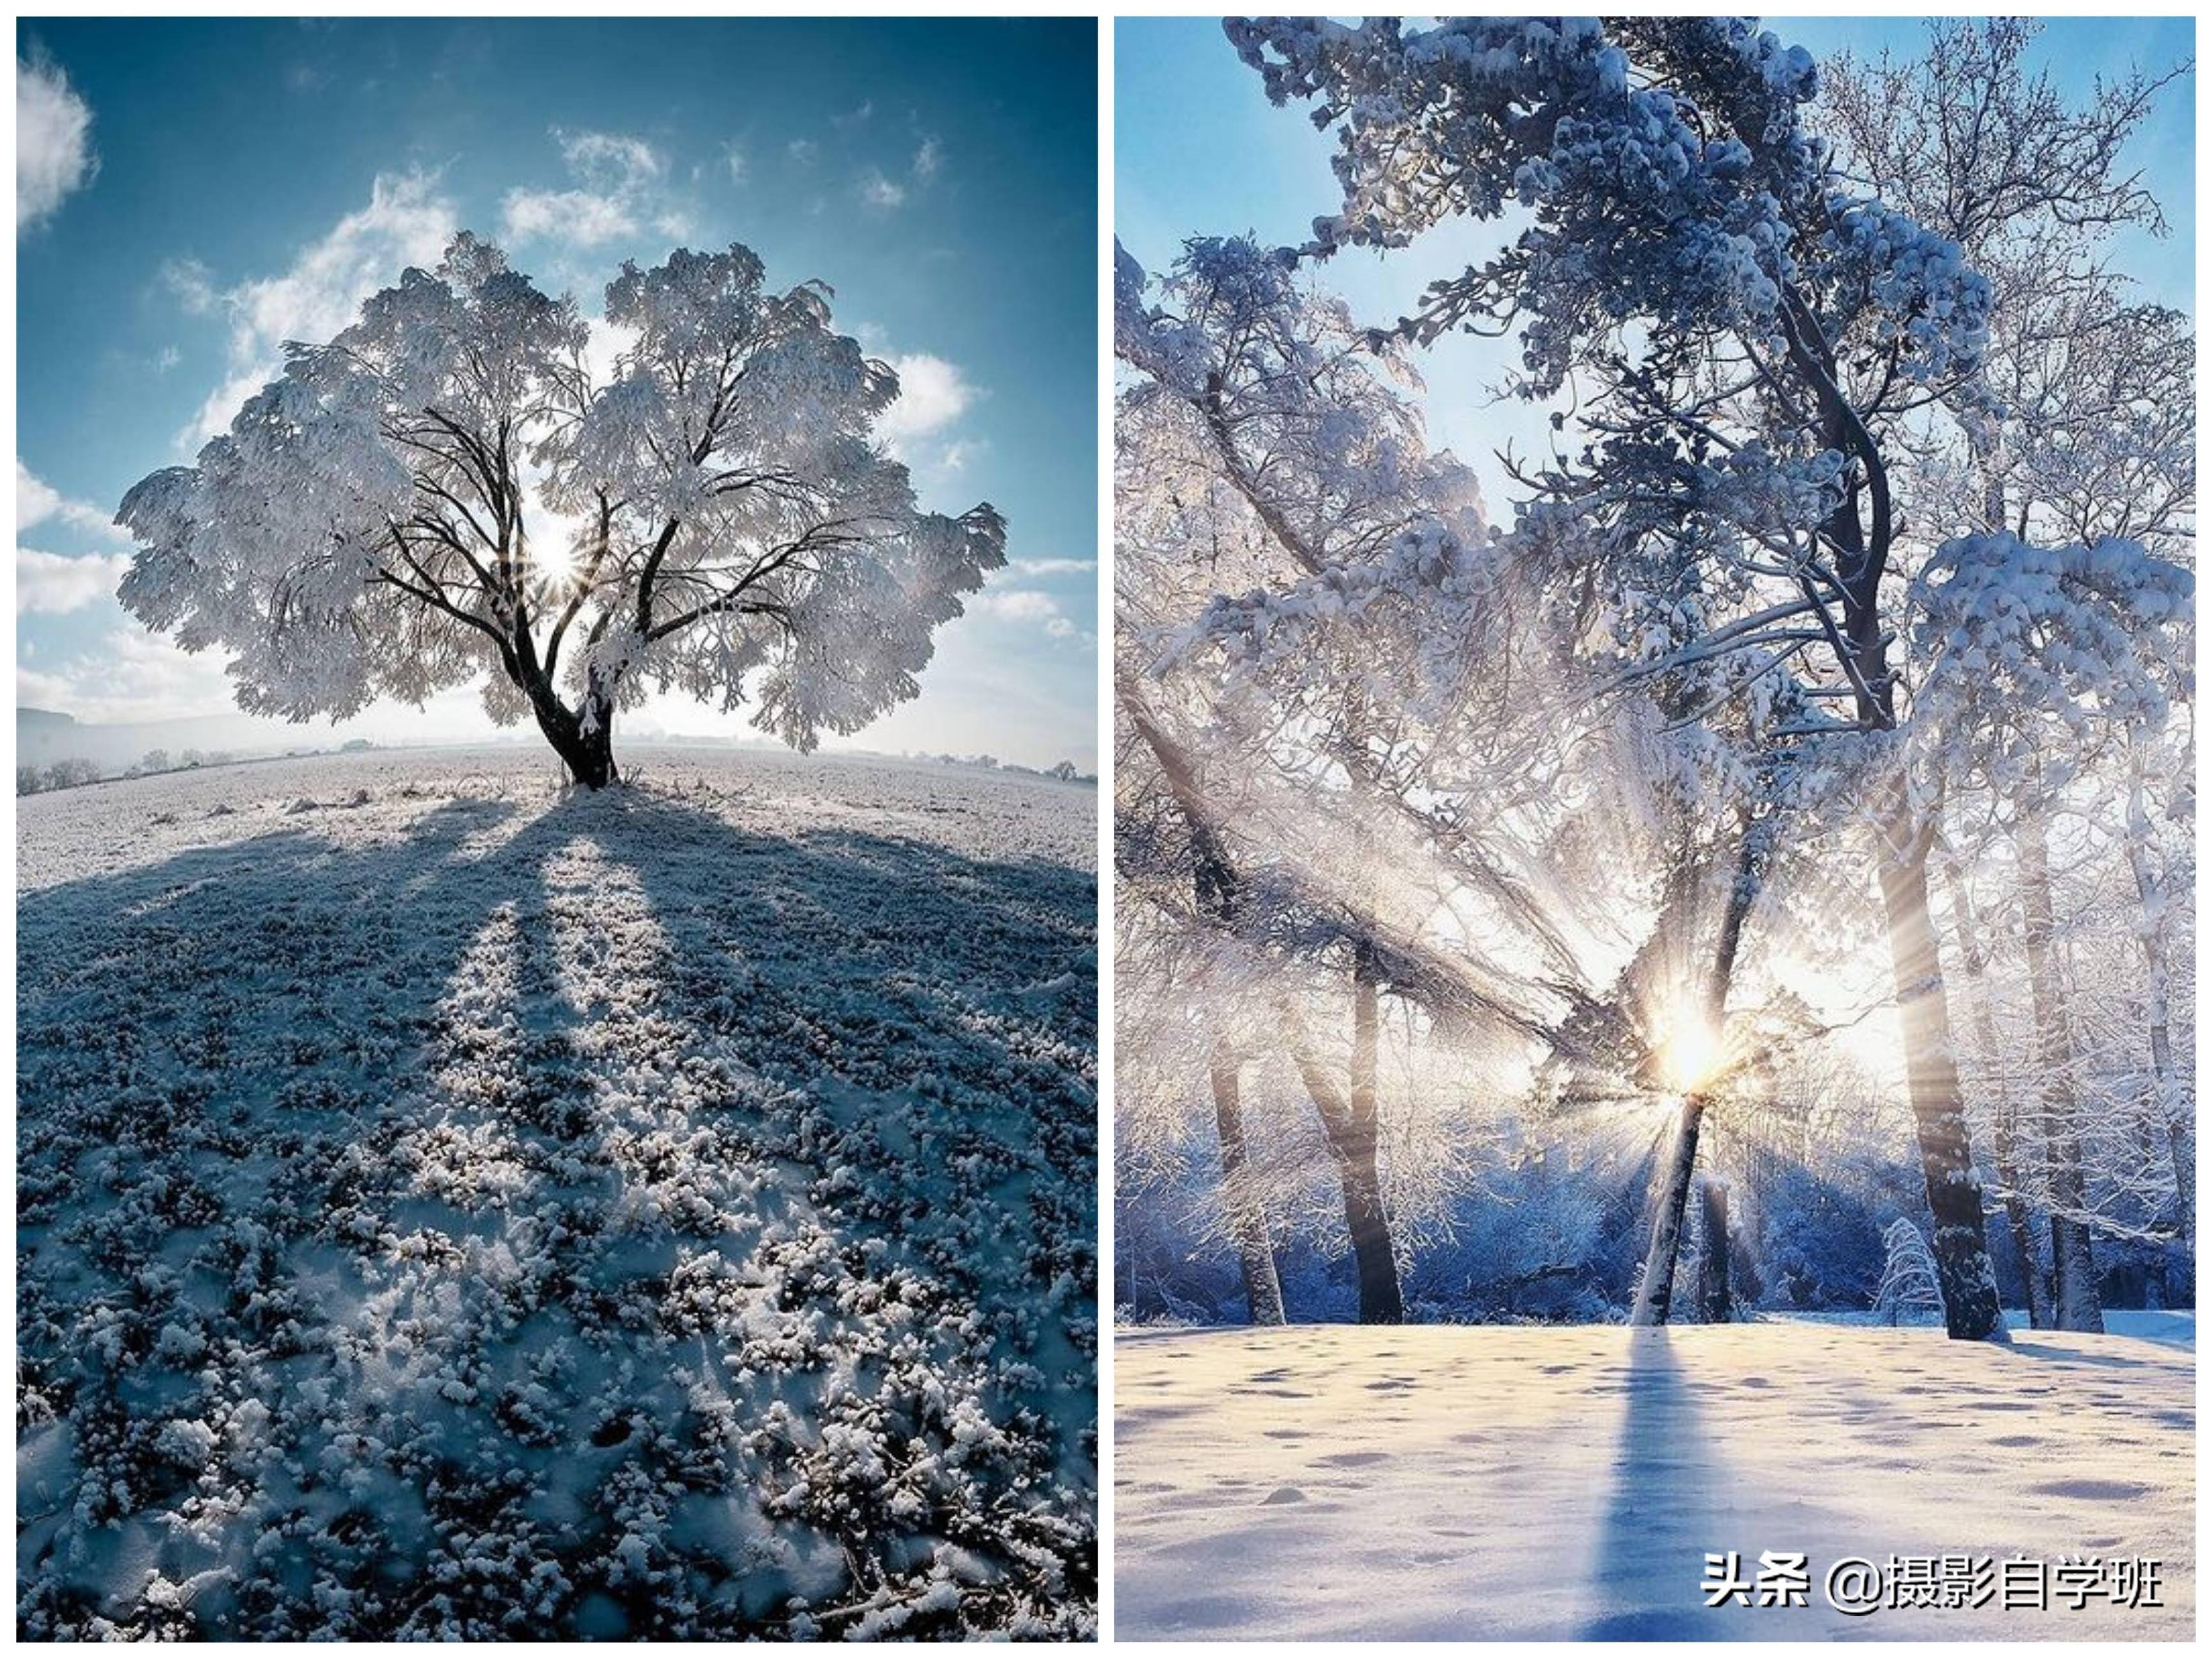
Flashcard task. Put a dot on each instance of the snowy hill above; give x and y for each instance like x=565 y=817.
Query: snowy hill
x=1567 y=1481
x=452 y=1209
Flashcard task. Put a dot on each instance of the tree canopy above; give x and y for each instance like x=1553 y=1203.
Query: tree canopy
x=685 y=497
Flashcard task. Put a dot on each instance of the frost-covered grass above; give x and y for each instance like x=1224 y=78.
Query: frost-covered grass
x=452 y=1209
x=1567 y=1481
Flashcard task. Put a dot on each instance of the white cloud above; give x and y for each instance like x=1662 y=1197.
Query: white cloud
x=928 y=159
x=1059 y=627
x=878 y=192
x=575 y=215
x=734 y=159
x=920 y=427
x=193 y=284
x=803 y=151
x=54 y=142
x=932 y=394
x=614 y=173
x=405 y=223
x=132 y=675
x=1051 y=566
x=56 y=583
x=854 y=118
x=609 y=160
x=36 y=502
x=1016 y=604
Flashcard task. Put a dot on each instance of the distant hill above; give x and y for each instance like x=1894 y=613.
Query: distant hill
x=42 y=736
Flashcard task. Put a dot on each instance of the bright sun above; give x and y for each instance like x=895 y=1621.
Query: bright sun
x=554 y=563
x=1690 y=1056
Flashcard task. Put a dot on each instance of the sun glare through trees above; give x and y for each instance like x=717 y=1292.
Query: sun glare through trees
x=1654 y=615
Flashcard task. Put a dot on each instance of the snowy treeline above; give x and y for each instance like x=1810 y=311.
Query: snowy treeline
x=69 y=773
x=1774 y=825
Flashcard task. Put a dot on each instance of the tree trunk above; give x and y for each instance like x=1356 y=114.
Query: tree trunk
x=2018 y=1222
x=1716 y=1303
x=2004 y=1130
x=1380 y=1303
x=1961 y=1248
x=1655 y=1295
x=1960 y=1244
x=2170 y=1105
x=592 y=760
x=1248 y=1215
x=1349 y=1126
x=1218 y=887
x=2074 y=1302
x=584 y=742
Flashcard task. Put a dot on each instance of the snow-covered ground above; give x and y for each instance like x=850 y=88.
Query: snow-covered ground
x=452 y=1208
x=1519 y=1481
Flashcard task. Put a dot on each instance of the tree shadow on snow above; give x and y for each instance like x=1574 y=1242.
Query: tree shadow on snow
x=382 y=1186
x=2089 y=1356
x=1664 y=1511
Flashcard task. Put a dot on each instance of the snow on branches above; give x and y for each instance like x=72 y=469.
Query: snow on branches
x=451 y=485
x=1663 y=162
x=2019 y=643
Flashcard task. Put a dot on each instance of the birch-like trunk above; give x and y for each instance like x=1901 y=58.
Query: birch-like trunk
x=1248 y=1215
x=1655 y=1296
x=1960 y=1244
x=2004 y=1116
x=1373 y=1248
x=1715 y=1298
x=1348 y=1124
x=2171 y=1108
x=2073 y=1300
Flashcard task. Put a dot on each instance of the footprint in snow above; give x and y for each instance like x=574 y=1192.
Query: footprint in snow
x=2111 y=1490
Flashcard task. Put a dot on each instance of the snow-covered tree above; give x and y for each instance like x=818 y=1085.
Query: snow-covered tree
x=1382 y=700
x=2076 y=463
x=1311 y=603
x=2038 y=666
x=1908 y=1280
x=1748 y=334
x=70 y=773
x=2087 y=428
x=460 y=483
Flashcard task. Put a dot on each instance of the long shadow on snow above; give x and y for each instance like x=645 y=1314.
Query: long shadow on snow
x=1677 y=1497
x=1665 y=1510
x=243 y=1030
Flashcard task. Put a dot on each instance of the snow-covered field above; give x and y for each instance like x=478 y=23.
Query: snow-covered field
x=1519 y=1481
x=452 y=1208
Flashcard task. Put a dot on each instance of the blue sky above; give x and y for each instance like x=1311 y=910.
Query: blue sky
x=1199 y=151
x=245 y=182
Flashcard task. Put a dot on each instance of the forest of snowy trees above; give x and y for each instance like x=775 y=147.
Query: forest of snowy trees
x=1772 y=824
